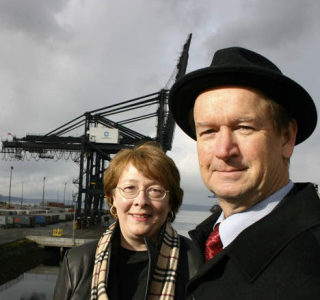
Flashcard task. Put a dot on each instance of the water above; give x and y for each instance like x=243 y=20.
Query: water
x=38 y=284
x=189 y=217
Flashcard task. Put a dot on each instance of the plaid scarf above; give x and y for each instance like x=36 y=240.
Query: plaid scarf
x=164 y=275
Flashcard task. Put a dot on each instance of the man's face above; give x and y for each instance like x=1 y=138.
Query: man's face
x=242 y=158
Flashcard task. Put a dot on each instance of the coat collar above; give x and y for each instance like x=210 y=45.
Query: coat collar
x=200 y=234
x=297 y=212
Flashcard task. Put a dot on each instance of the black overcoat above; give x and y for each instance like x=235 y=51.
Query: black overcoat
x=75 y=276
x=276 y=258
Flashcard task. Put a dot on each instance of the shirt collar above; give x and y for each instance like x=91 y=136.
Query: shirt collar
x=232 y=226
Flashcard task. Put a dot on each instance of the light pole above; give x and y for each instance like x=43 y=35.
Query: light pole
x=44 y=182
x=10 y=185
x=64 y=194
x=21 y=194
x=74 y=216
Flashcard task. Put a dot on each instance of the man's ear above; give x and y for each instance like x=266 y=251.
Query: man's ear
x=289 y=139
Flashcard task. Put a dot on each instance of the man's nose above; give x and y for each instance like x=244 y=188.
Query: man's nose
x=225 y=143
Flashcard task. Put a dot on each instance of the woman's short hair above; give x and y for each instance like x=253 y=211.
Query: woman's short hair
x=153 y=163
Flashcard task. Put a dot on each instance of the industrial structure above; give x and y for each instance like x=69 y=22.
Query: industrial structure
x=96 y=136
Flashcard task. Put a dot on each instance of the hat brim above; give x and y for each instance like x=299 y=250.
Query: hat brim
x=278 y=87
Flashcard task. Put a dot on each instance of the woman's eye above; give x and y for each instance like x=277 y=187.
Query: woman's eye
x=129 y=188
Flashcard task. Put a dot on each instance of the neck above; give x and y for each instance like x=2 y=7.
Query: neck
x=134 y=245
x=234 y=206
x=231 y=208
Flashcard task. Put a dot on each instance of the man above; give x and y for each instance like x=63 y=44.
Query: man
x=246 y=116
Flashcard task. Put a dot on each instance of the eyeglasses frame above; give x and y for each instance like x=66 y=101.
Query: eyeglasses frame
x=138 y=192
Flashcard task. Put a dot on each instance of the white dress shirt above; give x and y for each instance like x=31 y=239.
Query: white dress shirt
x=232 y=226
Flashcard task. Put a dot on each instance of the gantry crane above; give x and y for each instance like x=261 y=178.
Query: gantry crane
x=96 y=138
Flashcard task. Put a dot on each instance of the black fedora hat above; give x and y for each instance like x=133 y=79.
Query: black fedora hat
x=242 y=67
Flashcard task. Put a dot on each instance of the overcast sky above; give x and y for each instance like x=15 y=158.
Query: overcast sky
x=61 y=58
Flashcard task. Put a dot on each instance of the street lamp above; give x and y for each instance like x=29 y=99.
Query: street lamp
x=10 y=185
x=44 y=181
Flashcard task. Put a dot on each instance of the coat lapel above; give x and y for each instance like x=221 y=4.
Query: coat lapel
x=255 y=247
x=259 y=244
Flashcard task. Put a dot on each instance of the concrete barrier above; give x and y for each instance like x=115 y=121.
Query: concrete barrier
x=51 y=241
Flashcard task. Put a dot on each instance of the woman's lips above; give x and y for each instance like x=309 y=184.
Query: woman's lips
x=140 y=217
x=230 y=170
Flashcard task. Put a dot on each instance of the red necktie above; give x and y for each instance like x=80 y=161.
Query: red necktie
x=213 y=244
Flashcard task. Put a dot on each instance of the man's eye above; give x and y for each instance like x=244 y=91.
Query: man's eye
x=207 y=132
x=245 y=128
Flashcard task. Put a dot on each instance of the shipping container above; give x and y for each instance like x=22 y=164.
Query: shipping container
x=24 y=221
x=6 y=221
x=7 y=212
x=65 y=216
x=40 y=220
x=54 y=218
x=62 y=217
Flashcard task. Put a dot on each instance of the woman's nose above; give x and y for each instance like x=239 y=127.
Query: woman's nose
x=141 y=198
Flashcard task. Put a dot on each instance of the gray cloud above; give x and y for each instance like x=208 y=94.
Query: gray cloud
x=59 y=59
x=31 y=17
x=271 y=25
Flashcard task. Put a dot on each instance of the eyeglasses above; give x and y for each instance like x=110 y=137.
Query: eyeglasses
x=132 y=191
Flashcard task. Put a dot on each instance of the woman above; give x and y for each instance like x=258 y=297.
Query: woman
x=140 y=256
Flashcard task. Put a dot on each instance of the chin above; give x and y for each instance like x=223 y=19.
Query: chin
x=141 y=230
x=229 y=195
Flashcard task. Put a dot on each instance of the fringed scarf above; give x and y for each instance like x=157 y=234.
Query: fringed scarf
x=164 y=275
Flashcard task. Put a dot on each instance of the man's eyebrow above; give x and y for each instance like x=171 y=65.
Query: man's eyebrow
x=204 y=123
x=234 y=120
x=246 y=119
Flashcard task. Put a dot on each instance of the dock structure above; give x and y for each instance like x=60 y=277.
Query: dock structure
x=44 y=237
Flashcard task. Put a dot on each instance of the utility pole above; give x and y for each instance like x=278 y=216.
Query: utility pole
x=10 y=185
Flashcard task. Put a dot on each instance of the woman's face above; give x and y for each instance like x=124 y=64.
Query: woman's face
x=140 y=216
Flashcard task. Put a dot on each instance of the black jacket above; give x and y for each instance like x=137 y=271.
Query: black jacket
x=74 y=280
x=276 y=258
